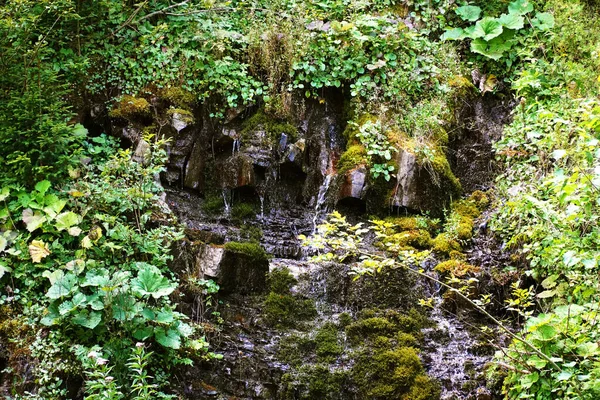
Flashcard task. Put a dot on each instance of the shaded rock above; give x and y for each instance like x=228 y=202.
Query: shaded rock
x=423 y=188
x=142 y=152
x=194 y=169
x=179 y=121
x=237 y=171
x=354 y=183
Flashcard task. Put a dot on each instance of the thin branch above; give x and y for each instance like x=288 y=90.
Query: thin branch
x=163 y=11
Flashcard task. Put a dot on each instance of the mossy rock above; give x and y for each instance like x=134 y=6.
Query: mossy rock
x=417 y=239
x=131 y=107
x=243 y=211
x=281 y=309
x=315 y=382
x=393 y=374
x=178 y=97
x=272 y=126
x=328 y=347
x=243 y=268
x=295 y=349
x=456 y=268
x=281 y=281
x=444 y=244
x=355 y=156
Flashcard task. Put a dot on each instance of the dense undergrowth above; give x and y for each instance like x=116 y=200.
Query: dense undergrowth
x=88 y=300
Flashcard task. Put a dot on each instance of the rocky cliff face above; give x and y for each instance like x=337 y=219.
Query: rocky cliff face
x=246 y=188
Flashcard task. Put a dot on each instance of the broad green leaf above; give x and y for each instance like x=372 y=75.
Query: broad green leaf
x=165 y=316
x=484 y=48
x=520 y=7
x=529 y=379
x=79 y=130
x=76 y=266
x=543 y=21
x=564 y=376
x=62 y=287
x=4 y=193
x=558 y=154
x=168 y=338
x=587 y=349
x=3 y=243
x=546 y=294
x=54 y=205
x=468 y=13
x=536 y=362
x=550 y=282
x=512 y=21
x=454 y=34
x=43 y=186
x=96 y=278
x=95 y=302
x=38 y=250
x=87 y=320
x=53 y=276
x=185 y=330
x=66 y=220
x=124 y=307
x=143 y=333
x=74 y=231
x=487 y=29
x=151 y=282
x=33 y=220
x=546 y=332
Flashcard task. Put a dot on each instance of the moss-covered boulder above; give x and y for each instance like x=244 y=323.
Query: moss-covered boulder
x=243 y=268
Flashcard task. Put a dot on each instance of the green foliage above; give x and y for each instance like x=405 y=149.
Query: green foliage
x=495 y=37
x=378 y=148
x=96 y=259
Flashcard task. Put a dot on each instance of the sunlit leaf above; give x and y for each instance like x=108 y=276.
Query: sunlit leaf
x=38 y=250
x=32 y=220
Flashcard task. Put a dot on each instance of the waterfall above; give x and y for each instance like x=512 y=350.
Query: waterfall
x=236 y=146
x=227 y=204
x=321 y=197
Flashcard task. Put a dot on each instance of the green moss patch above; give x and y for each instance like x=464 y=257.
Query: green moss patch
x=281 y=308
x=251 y=249
x=131 y=107
x=272 y=126
x=353 y=157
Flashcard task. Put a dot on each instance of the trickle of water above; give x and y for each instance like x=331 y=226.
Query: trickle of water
x=321 y=197
x=236 y=146
x=262 y=206
x=452 y=353
x=226 y=202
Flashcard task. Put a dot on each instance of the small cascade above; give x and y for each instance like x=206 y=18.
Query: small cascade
x=452 y=354
x=320 y=201
x=227 y=202
x=236 y=146
x=262 y=206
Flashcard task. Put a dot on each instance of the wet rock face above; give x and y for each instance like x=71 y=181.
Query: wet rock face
x=481 y=122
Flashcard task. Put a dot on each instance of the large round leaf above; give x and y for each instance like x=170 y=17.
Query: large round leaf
x=454 y=34
x=469 y=13
x=520 y=7
x=543 y=21
x=512 y=21
x=488 y=28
